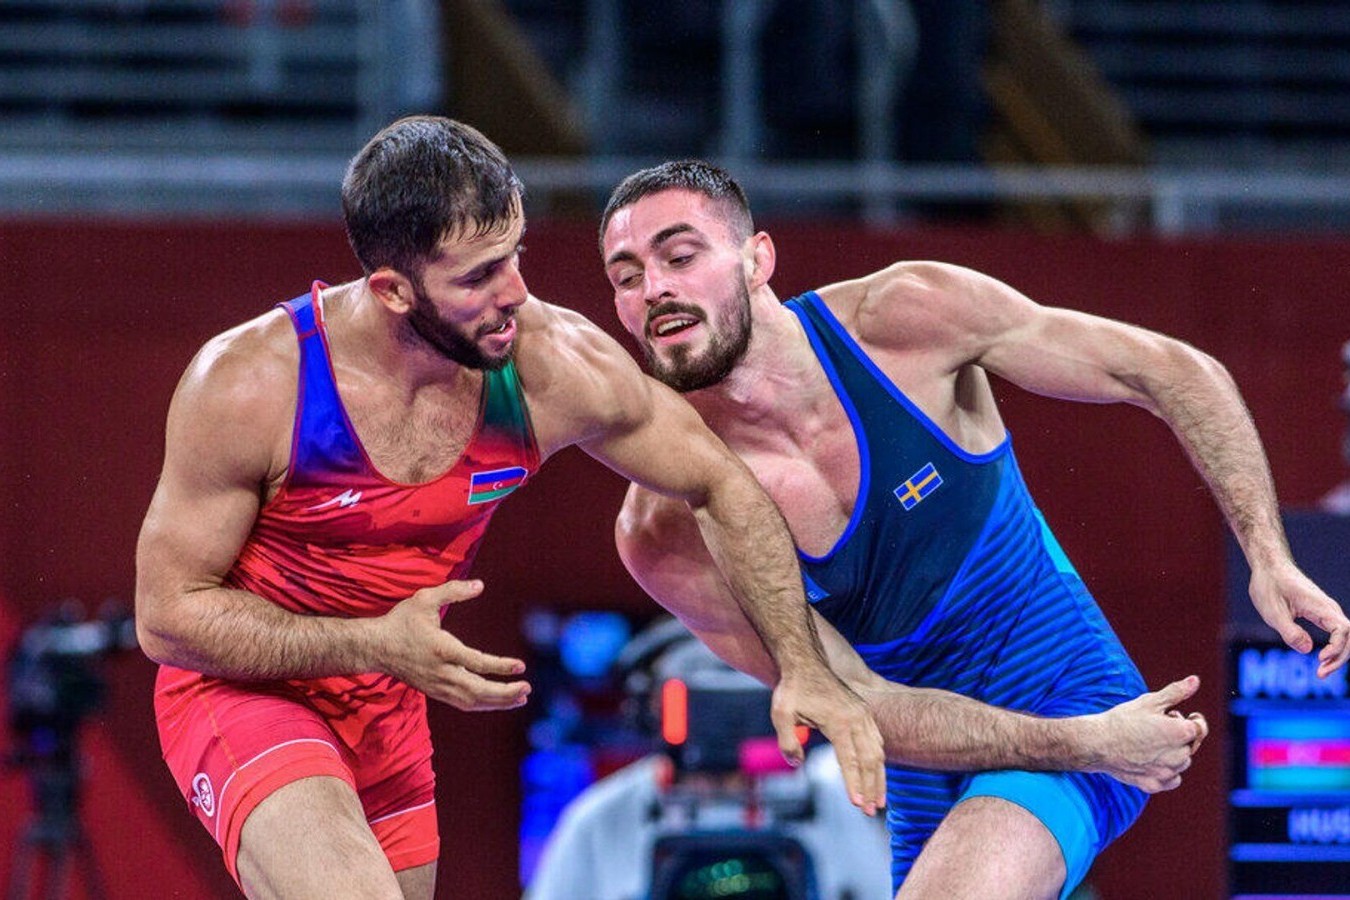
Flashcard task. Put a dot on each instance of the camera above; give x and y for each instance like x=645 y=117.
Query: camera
x=719 y=822
x=54 y=682
x=752 y=865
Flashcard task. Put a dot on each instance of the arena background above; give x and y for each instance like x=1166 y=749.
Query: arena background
x=103 y=310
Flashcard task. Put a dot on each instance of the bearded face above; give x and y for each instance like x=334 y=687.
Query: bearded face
x=691 y=367
x=450 y=340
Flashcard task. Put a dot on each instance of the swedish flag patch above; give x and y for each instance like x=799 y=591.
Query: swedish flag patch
x=917 y=486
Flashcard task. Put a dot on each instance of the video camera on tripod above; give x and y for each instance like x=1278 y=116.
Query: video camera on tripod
x=720 y=820
x=54 y=684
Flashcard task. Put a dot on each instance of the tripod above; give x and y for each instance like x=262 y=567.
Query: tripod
x=54 y=684
x=54 y=835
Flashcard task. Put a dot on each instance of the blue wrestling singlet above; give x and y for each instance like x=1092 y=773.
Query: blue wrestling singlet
x=947 y=577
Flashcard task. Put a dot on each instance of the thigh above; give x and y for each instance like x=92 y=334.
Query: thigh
x=309 y=838
x=229 y=746
x=419 y=882
x=987 y=847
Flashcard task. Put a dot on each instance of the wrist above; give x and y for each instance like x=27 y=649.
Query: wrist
x=1265 y=548
x=367 y=640
x=1071 y=744
x=1084 y=740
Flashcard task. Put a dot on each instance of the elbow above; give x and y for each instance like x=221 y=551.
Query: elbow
x=1214 y=370
x=1183 y=357
x=151 y=642
x=1178 y=370
x=153 y=633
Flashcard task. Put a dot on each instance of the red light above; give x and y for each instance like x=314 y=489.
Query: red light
x=674 y=712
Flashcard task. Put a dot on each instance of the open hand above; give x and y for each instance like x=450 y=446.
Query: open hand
x=1282 y=594
x=823 y=702
x=423 y=654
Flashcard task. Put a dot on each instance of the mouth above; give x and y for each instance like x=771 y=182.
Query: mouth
x=503 y=333
x=668 y=326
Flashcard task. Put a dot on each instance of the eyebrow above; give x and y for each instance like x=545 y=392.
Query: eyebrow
x=657 y=240
x=489 y=264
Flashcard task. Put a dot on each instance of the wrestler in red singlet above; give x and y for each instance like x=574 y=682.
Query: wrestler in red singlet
x=340 y=539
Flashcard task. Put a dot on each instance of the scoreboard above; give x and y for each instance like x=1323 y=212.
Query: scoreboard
x=1289 y=739
x=1289 y=803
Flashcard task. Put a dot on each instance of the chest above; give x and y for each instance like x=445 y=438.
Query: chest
x=814 y=468
x=813 y=476
x=413 y=438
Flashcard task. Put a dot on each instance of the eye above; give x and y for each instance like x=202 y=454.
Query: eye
x=682 y=259
x=624 y=278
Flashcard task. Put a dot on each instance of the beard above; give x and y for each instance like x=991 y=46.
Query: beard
x=447 y=339
x=687 y=370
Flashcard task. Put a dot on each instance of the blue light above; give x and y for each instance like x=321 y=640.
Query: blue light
x=590 y=642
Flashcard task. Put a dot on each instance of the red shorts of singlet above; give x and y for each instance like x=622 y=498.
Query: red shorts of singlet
x=231 y=744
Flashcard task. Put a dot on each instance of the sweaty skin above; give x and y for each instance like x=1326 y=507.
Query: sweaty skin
x=679 y=277
x=936 y=331
x=228 y=446
x=911 y=349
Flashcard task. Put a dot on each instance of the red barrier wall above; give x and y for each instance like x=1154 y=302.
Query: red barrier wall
x=102 y=318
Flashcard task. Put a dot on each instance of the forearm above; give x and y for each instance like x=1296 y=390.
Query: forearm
x=931 y=729
x=748 y=539
x=1202 y=406
x=236 y=634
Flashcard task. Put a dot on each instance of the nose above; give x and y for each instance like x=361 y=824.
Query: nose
x=514 y=292
x=655 y=286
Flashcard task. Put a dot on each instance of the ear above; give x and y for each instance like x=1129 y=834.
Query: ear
x=391 y=288
x=763 y=258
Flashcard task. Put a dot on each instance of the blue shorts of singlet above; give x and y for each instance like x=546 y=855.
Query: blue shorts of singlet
x=1060 y=806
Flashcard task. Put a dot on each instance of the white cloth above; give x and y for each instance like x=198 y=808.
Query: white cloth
x=601 y=848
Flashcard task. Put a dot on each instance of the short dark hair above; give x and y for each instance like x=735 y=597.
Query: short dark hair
x=694 y=175
x=418 y=180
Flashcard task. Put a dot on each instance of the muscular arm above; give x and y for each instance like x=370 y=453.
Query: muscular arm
x=219 y=454
x=642 y=430
x=1071 y=355
x=1138 y=742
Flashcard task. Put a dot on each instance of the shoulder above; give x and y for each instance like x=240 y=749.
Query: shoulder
x=567 y=333
x=922 y=304
x=243 y=367
x=661 y=546
x=578 y=381
x=241 y=384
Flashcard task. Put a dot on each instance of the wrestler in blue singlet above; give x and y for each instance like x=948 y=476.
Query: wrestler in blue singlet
x=947 y=577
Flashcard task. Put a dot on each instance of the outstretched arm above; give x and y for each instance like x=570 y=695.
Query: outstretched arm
x=219 y=453
x=749 y=541
x=1143 y=742
x=1062 y=353
x=590 y=392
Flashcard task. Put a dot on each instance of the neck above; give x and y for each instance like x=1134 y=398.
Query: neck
x=362 y=333
x=777 y=381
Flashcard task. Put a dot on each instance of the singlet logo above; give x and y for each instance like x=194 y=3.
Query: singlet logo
x=203 y=795
x=814 y=592
x=485 y=487
x=345 y=499
x=917 y=486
